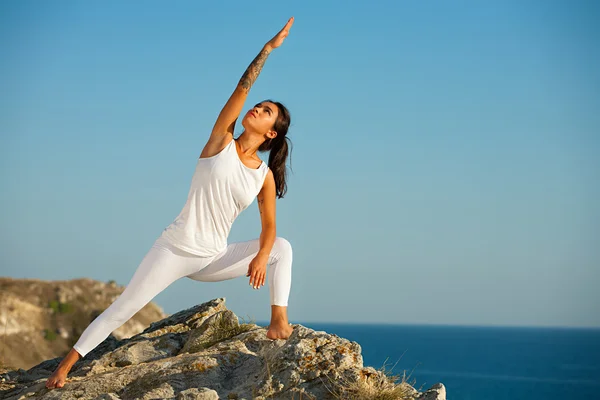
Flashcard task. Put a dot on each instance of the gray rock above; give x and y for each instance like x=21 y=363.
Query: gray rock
x=205 y=353
x=108 y=396
x=201 y=338
x=198 y=394
x=436 y=392
x=164 y=391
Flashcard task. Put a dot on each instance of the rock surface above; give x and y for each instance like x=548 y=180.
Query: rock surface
x=205 y=353
x=43 y=319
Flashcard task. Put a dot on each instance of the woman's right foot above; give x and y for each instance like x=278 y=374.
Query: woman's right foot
x=279 y=331
x=58 y=378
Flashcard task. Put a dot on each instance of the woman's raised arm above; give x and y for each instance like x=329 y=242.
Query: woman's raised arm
x=232 y=109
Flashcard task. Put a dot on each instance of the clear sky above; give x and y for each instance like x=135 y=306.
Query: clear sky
x=445 y=164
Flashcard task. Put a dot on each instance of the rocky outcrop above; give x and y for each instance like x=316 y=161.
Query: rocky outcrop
x=43 y=319
x=205 y=353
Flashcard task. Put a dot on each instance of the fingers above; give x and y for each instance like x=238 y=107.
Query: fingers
x=257 y=280
x=251 y=273
x=288 y=25
x=253 y=279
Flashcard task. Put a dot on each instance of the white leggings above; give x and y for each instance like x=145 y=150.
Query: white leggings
x=164 y=264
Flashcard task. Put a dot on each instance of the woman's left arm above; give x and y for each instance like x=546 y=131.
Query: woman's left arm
x=266 y=205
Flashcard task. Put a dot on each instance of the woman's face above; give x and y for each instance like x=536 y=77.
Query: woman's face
x=261 y=117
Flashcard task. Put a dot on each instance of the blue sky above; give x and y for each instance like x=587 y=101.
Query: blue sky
x=445 y=154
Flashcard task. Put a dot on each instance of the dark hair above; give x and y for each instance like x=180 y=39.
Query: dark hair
x=278 y=148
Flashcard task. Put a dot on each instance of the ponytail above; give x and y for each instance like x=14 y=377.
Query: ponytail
x=278 y=149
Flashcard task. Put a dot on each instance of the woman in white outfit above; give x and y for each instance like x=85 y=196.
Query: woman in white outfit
x=227 y=177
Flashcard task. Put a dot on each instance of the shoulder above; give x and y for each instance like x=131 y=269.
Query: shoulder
x=269 y=182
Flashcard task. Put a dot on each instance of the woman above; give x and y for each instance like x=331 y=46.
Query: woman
x=228 y=176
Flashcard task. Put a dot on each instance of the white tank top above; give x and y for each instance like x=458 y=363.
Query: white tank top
x=222 y=187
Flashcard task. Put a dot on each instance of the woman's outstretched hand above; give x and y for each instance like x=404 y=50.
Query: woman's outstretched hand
x=278 y=39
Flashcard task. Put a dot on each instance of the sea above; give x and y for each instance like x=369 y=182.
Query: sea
x=482 y=363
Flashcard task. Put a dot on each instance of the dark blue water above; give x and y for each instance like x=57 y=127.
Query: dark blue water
x=490 y=363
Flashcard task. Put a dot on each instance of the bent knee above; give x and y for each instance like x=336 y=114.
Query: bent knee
x=282 y=245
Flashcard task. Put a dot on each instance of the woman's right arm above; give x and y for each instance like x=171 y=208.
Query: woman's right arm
x=229 y=114
x=231 y=111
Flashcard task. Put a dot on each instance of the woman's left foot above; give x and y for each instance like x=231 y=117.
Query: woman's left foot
x=279 y=331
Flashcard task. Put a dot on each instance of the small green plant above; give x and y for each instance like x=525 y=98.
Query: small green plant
x=50 y=334
x=65 y=308
x=54 y=305
x=223 y=329
x=60 y=308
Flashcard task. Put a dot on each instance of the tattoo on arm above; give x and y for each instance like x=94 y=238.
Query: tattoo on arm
x=254 y=69
x=260 y=204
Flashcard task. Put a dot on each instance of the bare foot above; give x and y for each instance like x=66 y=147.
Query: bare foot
x=58 y=378
x=279 y=331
